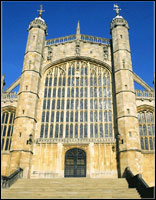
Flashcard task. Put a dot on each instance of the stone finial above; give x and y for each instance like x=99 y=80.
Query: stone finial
x=78 y=31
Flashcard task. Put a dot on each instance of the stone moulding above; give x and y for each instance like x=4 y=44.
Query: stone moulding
x=74 y=140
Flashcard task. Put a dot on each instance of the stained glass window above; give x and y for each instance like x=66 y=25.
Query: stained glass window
x=77 y=101
x=7 y=129
x=146 y=129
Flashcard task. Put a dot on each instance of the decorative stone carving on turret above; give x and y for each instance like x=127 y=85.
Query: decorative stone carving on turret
x=2 y=82
x=50 y=54
x=77 y=41
x=105 y=52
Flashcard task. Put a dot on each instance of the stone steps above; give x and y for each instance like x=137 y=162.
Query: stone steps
x=70 y=188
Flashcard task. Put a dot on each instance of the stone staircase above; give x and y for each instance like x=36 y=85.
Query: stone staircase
x=70 y=188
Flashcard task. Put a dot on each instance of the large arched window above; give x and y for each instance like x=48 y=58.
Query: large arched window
x=146 y=129
x=7 y=129
x=77 y=102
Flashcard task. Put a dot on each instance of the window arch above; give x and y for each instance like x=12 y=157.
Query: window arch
x=77 y=101
x=8 y=117
x=146 y=129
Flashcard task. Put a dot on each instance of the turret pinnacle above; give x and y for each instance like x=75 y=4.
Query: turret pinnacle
x=78 y=31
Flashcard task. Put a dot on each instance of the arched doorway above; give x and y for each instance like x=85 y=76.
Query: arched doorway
x=75 y=163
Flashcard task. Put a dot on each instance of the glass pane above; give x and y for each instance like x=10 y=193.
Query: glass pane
x=52 y=116
x=72 y=104
x=81 y=104
x=95 y=116
x=67 y=116
x=46 y=81
x=91 y=104
x=71 y=116
x=73 y=70
x=101 y=130
x=8 y=133
x=62 y=105
x=144 y=129
x=91 y=81
x=3 y=118
x=7 y=143
x=105 y=116
x=140 y=130
x=68 y=104
x=44 y=104
x=60 y=81
x=49 y=92
x=95 y=92
x=91 y=130
x=142 y=143
x=48 y=104
x=56 y=130
x=43 y=116
x=55 y=81
x=69 y=71
x=104 y=92
x=95 y=81
x=76 y=116
x=149 y=130
x=146 y=143
x=77 y=81
x=64 y=81
x=53 y=104
x=68 y=92
x=11 y=117
x=51 y=131
x=86 y=71
x=81 y=116
x=100 y=81
x=61 y=131
x=50 y=81
x=77 y=104
x=85 y=116
x=100 y=103
x=153 y=131
x=81 y=131
x=104 y=81
x=86 y=81
x=91 y=116
x=57 y=116
x=72 y=92
x=85 y=104
x=100 y=92
x=91 y=92
x=76 y=131
x=59 y=92
x=46 y=130
x=106 y=130
x=63 y=92
x=151 y=117
x=42 y=130
x=95 y=104
x=81 y=82
x=58 y=104
x=96 y=130
x=54 y=92
x=62 y=116
x=71 y=131
x=151 y=143
x=47 y=116
x=100 y=116
x=45 y=92
x=81 y=92
x=110 y=130
x=2 y=144
x=85 y=130
x=110 y=116
x=6 y=118
x=67 y=129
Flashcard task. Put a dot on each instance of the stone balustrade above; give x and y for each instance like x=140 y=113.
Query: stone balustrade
x=144 y=94
x=87 y=38
x=11 y=96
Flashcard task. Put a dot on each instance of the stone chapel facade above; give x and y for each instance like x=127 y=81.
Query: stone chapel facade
x=77 y=113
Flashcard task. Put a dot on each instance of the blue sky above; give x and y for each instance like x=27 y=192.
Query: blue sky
x=61 y=18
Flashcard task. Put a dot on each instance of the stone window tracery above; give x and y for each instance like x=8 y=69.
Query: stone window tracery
x=146 y=129
x=77 y=106
x=7 y=129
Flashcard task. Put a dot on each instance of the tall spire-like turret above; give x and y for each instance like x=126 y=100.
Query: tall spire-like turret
x=78 y=31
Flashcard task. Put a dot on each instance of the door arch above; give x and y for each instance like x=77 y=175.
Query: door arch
x=75 y=163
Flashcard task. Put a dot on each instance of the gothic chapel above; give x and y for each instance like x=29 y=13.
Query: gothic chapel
x=77 y=113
